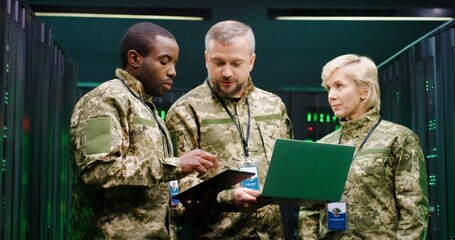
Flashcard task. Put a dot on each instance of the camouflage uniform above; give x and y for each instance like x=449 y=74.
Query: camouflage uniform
x=386 y=189
x=198 y=120
x=121 y=164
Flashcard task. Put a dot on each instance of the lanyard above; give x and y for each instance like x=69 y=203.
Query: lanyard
x=366 y=138
x=151 y=108
x=244 y=139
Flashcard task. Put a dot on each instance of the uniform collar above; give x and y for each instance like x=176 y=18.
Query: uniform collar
x=135 y=85
x=358 y=126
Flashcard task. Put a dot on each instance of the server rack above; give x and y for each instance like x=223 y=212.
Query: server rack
x=420 y=79
x=37 y=93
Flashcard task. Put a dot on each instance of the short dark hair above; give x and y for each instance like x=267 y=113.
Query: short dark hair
x=141 y=37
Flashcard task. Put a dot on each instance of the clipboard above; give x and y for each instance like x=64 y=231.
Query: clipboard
x=219 y=182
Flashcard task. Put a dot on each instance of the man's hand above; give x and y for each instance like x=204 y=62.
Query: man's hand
x=246 y=201
x=198 y=161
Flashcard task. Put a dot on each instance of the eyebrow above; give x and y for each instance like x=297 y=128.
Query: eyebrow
x=336 y=81
x=165 y=55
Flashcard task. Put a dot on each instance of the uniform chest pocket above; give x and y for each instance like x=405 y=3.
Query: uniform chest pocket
x=372 y=166
x=144 y=134
x=221 y=136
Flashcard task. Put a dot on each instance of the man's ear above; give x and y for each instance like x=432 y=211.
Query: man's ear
x=134 y=58
x=206 y=57
x=252 y=59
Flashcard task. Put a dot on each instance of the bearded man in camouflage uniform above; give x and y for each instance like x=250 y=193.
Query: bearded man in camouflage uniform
x=122 y=153
x=386 y=191
x=228 y=116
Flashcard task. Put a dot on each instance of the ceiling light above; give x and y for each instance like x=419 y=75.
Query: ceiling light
x=421 y=14
x=188 y=14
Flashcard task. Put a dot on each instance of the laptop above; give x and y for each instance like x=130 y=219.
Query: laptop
x=307 y=173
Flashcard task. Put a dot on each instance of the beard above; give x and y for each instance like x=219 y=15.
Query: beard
x=229 y=92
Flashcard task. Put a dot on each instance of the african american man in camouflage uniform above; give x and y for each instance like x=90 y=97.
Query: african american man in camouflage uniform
x=223 y=115
x=122 y=153
x=386 y=191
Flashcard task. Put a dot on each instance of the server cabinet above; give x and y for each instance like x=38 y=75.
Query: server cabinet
x=448 y=74
x=37 y=93
x=420 y=81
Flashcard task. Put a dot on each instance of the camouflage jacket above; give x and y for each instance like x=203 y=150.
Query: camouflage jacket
x=121 y=164
x=198 y=120
x=386 y=192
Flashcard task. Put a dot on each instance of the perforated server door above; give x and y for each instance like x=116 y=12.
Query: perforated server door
x=421 y=81
x=12 y=68
x=37 y=94
x=448 y=61
x=395 y=97
x=426 y=99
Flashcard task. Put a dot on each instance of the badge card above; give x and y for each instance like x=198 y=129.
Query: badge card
x=337 y=216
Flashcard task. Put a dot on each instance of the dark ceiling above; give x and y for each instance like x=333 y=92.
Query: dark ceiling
x=290 y=54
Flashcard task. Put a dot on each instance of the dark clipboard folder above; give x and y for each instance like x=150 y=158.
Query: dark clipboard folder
x=218 y=182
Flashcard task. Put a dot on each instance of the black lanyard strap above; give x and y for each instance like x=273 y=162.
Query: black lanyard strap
x=244 y=139
x=151 y=109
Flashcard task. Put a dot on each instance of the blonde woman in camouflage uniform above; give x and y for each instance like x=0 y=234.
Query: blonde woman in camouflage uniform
x=386 y=190
x=231 y=118
x=122 y=153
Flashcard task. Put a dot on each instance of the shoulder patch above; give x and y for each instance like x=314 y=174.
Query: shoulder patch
x=98 y=135
x=274 y=116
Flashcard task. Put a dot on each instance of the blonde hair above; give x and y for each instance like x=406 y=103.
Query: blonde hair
x=362 y=70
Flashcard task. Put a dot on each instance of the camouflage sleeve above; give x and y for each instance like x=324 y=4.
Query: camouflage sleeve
x=308 y=224
x=183 y=128
x=184 y=131
x=286 y=123
x=411 y=188
x=225 y=201
x=104 y=156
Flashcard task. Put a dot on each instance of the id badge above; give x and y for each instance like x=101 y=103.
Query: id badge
x=174 y=190
x=252 y=182
x=336 y=213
